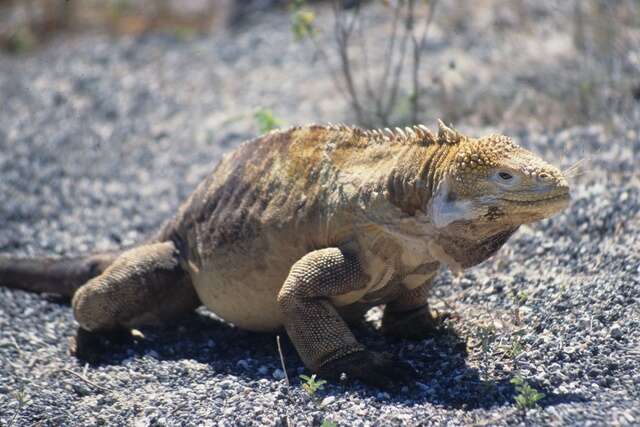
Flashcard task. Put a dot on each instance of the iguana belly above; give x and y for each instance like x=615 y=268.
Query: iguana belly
x=249 y=304
x=241 y=284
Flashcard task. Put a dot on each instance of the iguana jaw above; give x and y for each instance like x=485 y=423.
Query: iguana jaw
x=508 y=208
x=534 y=209
x=491 y=181
x=533 y=198
x=552 y=203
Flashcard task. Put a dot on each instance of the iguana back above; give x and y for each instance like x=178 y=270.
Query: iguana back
x=267 y=204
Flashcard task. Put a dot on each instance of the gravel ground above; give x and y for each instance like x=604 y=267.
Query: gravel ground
x=101 y=139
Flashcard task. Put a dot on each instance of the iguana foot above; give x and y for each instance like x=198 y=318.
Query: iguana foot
x=91 y=346
x=381 y=370
x=415 y=325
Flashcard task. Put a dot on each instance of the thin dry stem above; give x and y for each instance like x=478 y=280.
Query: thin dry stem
x=371 y=100
x=343 y=32
x=324 y=58
x=284 y=368
x=418 y=47
x=86 y=380
x=390 y=55
x=400 y=64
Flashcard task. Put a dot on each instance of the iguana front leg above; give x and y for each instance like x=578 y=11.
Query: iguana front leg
x=320 y=335
x=409 y=316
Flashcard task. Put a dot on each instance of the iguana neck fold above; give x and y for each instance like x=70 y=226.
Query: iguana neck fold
x=417 y=173
x=421 y=159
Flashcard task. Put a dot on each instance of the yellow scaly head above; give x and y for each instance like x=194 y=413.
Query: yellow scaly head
x=493 y=180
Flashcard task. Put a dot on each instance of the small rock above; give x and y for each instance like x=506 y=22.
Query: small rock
x=615 y=331
x=466 y=283
x=423 y=387
x=278 y=374
x=244 y=364
x=81 y=390
x=327 y=401
x=154 y=354
x=584 y=323
x=225 y=384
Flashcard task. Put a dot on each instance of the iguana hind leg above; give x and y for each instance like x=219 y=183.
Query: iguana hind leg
x=143 y=286
x=409 y=316
x=320 y=335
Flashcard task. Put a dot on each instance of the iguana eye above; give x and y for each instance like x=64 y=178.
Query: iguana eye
x=506 y=176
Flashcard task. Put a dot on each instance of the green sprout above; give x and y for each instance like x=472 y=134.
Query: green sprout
x=266 y=120
x=302 y=20
x=522 y=297
x=515 y=349
x=527 y=397
x=311 y=385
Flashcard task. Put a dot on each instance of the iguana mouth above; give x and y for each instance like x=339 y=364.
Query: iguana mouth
x=550 y=199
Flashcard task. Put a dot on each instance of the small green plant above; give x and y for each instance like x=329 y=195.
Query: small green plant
x=23 y=400
x=184 y=33
x=486 y=335
x=515 y=349
x=21 y=41
x=327 y=423
x=311 y=385
x=527 y=397
x=266 y=120
x=302 y=20
x=522 y=297
x=120 y=9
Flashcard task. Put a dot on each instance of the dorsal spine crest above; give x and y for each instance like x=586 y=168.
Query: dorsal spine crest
x=416 y=134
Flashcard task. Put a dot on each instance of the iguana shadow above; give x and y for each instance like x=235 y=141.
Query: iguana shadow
x=444 y=377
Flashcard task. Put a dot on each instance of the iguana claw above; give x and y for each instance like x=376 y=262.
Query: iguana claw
x=91 y=347
x=381 y=370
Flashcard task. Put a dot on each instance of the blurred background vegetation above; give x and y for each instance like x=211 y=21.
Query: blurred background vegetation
x=395 y=83
x=27 y=23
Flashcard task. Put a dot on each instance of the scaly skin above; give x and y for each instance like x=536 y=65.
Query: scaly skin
x=304 y=227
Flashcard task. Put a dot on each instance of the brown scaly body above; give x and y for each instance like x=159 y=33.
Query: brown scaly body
x=306 y=227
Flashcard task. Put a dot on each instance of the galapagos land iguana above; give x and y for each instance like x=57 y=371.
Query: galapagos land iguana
x=308 y=227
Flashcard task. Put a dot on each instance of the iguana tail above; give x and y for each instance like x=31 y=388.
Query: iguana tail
x=61 y=276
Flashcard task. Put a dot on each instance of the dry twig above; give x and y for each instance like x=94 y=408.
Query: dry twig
x=375 y=102
x=284 y=368
x=83 y=378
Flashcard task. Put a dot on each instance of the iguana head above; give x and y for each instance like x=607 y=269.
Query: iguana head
x=493 y=180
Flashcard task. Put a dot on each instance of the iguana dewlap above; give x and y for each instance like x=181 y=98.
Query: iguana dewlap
x=309 y=227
